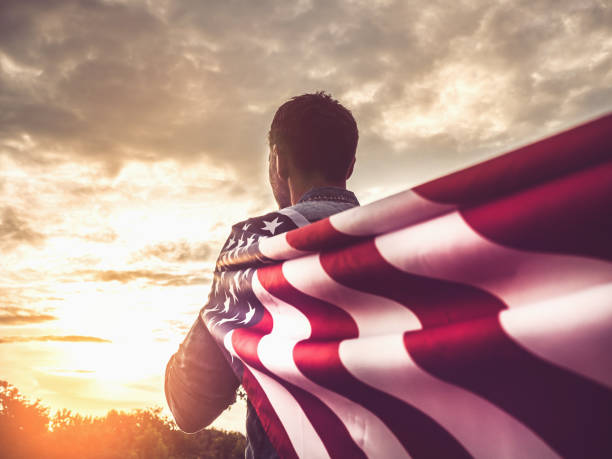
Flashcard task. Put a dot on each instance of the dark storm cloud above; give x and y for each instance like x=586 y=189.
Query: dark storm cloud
x=15 y=230
x=11 y=315
x=192 y=80
x=66 y=338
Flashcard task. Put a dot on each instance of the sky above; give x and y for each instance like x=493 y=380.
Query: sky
x=133 y=134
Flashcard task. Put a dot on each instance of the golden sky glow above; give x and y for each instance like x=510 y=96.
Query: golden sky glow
x=133 y=134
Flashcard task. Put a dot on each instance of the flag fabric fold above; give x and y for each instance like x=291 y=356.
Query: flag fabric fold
x=467 y=317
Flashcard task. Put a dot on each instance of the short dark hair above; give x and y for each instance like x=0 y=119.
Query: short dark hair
x=317 y=132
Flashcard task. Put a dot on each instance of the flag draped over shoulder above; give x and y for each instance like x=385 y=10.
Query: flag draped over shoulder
x=469 y=316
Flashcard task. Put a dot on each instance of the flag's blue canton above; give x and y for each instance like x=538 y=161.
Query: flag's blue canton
x=231 y=303
x=241 y=247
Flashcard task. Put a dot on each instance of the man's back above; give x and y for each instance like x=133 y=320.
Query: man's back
x=200 y=382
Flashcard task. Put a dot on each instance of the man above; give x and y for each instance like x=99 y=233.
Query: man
x=313 y=140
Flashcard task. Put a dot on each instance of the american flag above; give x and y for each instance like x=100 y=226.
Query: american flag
x=468 y=317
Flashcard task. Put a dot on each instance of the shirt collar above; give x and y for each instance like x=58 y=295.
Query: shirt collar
x=329 y=193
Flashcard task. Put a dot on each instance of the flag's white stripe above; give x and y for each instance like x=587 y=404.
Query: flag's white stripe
x=295 y=216
x=574 y=331
x=373 y=314
x=396 y=211
x=482 y=428
x=276 y=354
x=382 y=321
x=303 y=437
x=277 y=248
x=448 y=248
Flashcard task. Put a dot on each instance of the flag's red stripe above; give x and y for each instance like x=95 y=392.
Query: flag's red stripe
x=319 y=360
x=555 y=156
x=267 y=416
x=435 y=302
x=318 y=236
x=570 y=215
x=568 y=411
x=333 y=433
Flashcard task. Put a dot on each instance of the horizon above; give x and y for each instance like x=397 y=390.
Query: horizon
x=134 y=136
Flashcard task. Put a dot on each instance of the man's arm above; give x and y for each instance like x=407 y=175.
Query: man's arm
x=199 y=384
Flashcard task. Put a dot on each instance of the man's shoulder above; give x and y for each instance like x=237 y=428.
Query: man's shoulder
x=329 y=202
x=246 y=232
x=272 y=223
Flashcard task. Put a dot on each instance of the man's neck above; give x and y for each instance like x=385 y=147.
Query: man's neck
x=298 y=187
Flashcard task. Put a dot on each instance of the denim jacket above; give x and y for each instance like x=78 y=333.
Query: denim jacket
x=199 y=383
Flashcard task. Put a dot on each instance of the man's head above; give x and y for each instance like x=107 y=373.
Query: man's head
x=313 y=140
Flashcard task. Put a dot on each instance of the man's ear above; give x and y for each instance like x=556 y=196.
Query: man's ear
x=282 y=164
x=350 y=169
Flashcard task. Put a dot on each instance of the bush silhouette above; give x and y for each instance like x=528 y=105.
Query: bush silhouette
x=28 y=430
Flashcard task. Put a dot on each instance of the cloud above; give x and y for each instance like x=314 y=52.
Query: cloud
x=66 y=338
x=14 y=230
x=105 y=236
x=147 y=386
x=153 y=277
x=180 y=251
x=70 y=372
x=174 y=327
x=10 y=315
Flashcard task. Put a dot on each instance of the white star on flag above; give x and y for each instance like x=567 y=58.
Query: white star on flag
x=226 y=304
x=250 y=240
x=272 y=225
x=216 y=308
x=222 y=321
x=230 y=243
x=233 y=293
x=246 y=226
x=245 y=273
x=249 y=315
x=218 y=283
